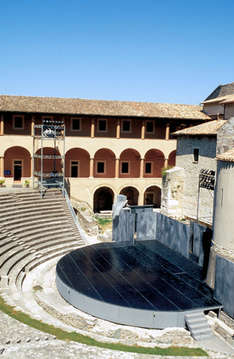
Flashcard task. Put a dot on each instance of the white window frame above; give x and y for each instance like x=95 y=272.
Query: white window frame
x=18 y=128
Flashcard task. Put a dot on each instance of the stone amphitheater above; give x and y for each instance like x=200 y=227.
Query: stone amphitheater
x=34 y=233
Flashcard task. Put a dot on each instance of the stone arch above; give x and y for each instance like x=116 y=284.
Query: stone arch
x=129 y=164
x=172 y=159
x=77 y=163
x=104 y=163
x=132 y=195
x=17 y=162
x=50 y=162
x=152 y=195
x=103 y=199
x=153 y=163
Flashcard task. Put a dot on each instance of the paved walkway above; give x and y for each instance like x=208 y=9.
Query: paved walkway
x=19 y=340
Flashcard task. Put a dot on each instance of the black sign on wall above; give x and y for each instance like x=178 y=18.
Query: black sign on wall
x=207 y=179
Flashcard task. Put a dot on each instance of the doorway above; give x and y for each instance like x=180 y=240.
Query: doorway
x=74 y=168
x=17 y=170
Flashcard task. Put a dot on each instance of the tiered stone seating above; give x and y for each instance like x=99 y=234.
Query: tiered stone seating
x=32 y=231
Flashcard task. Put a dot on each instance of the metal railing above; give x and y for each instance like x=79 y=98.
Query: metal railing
x=75 y=218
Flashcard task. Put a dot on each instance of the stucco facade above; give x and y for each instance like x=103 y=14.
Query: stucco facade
x=104 y=154
x=185 y=158
x=224 y=209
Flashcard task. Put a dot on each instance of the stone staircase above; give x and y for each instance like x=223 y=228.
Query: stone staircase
x=198 y=326
x=33 y=230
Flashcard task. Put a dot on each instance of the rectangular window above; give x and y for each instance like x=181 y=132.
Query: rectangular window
x=149 y=126
x=102 y=125
x=195 y=155
x=148 y=168
x=74 y=168
x=18 y=122
x=126 y=125
x=124 y=167
x=76 y=124
x=100 y=167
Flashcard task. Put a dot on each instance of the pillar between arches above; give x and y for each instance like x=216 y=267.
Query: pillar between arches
x=1 y=166
x=118 y=129
x=142 y=168
x=92 y=128
x=117 y=168
x=1 y=125
x=143 y=130
x=91 y=167
x=32 y=125
x=167 y=136
x=141 y=198
x=166 y=162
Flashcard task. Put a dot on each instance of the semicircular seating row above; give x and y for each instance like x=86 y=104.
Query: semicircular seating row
x=33 y=230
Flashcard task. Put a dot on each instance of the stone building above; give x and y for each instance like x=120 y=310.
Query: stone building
x=220 y=103
x=111 y=147
x=221 y=263
x=224 y=205
x=196 y=150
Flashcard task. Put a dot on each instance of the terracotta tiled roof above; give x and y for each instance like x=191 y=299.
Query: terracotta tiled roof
x=227 y=156
x=221 y=90
x=228 y=99
x=208 y=129
x=99 y=107
x=221 y=100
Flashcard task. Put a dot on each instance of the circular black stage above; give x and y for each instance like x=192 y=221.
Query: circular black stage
x=145 y=285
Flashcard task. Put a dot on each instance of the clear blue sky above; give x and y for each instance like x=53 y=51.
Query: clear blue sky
x=138 y=50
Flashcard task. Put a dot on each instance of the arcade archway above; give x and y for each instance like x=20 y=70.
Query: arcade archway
x=17 y=163
x=52 y=161
x=103 y=199
x=77 y=163
x=129 y=164
x=132 y=195
x=154 y=162
x=152 y=196
x=172 y=159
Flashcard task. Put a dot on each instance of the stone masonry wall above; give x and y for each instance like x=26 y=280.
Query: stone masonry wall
x=225 y=137
x=229 y=111
x=185 y=159
x=172 y=192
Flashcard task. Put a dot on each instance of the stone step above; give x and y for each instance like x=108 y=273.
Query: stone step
x=198 y=325
x=39 y=225
x=35 y=222
x=16 y=221
x=21 y=213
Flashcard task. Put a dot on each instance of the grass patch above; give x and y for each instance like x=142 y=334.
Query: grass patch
x=104 y=223
x=164 y=169
x=76 y=337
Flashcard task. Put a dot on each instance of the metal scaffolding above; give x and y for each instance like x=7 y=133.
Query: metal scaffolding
x=207 y=182
x=48 y=155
